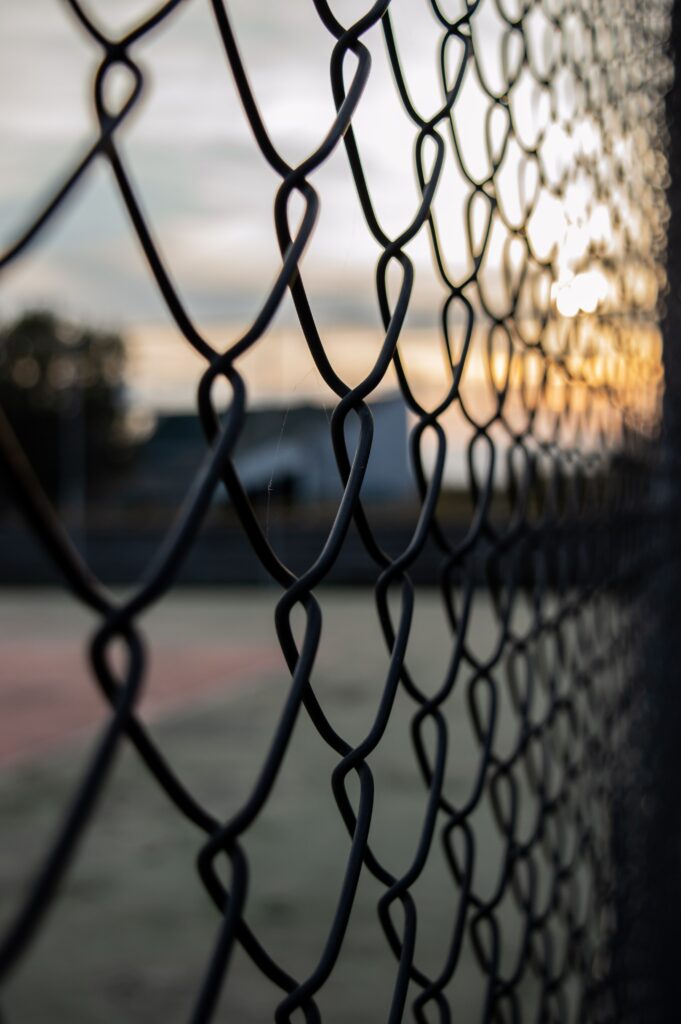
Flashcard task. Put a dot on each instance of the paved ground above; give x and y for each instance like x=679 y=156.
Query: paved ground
x=133 y=928
x=45 y=683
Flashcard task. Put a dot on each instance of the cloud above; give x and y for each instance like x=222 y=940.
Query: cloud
x=203 y=184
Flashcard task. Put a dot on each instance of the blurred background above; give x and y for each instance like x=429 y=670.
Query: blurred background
x=101 y=390
x=101 y=386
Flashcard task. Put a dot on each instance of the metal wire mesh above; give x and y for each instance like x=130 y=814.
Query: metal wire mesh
x=552 y=365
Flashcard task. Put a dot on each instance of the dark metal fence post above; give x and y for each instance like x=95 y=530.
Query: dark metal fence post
x=664 y=840
x=648 y=843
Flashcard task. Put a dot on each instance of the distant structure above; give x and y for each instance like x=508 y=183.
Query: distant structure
x=286 y=452
x=283 y=456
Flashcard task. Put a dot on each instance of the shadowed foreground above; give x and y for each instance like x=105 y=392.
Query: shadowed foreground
x=131 y=934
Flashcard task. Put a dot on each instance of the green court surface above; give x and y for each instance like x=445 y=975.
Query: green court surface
x=130 y=935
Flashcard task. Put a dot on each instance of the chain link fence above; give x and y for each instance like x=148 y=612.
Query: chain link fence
x=550 y=262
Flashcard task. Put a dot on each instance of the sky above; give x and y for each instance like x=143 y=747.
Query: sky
x=203 y=185
x=207 y=192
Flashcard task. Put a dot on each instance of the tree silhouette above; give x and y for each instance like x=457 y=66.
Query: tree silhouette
x=62 y=389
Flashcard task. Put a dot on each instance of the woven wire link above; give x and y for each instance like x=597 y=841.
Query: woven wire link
x=572 y=388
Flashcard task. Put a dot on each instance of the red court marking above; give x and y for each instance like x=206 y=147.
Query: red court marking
x=48 y=694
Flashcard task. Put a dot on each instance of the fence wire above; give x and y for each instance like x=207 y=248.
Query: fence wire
x=563 y=241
